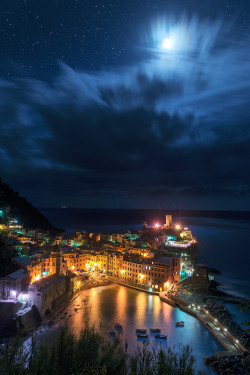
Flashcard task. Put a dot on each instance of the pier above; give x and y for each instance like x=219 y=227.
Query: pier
x=226 y=339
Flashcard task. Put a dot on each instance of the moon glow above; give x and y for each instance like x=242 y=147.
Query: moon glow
x=166 y=43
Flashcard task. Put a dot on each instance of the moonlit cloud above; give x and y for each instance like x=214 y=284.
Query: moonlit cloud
x=176 y=123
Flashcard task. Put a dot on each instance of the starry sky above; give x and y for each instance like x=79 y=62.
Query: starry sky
x=126 y=104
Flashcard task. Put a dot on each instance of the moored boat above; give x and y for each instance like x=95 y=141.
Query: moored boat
x=164 y=337
x=142 y=335
x=141 y=331
x=155 y=330
x=180 y=324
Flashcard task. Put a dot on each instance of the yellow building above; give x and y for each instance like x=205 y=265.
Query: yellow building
x=97 y=262
x=115 y=264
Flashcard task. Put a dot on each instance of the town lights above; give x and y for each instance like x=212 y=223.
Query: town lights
x=225 y=329
x=157 y=225
x=122 y=272
x=78 y=283
x=72 y=267
x=37 y=277
x=178 y=226
x=23 y=297
x=141 y=275
x=167 y=284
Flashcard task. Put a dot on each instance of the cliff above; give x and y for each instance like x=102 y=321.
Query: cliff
x=23 y=210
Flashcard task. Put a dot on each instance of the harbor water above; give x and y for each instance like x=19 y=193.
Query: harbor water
x=103 y=307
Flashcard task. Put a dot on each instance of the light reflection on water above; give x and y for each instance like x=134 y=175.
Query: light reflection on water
x=105 y=306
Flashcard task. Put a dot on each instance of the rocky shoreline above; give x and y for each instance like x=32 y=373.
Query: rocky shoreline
x=229 y=365
x=220 y=312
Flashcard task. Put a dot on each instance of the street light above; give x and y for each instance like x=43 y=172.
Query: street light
x=78 y=283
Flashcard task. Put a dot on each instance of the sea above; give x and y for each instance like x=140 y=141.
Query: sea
x=223 y=244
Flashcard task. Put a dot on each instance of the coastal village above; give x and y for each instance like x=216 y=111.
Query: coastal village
x=48 y=271
x=155 y=258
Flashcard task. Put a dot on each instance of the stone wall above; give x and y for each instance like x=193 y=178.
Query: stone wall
x=8 y=325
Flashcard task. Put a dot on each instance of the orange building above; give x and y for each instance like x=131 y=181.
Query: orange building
x=75 y=260
x=159 y=274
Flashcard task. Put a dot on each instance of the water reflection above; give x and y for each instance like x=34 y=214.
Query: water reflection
x=141 y=306
x=121 y=303
x=106 y=306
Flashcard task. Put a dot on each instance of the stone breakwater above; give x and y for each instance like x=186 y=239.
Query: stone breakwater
x=229 y=365
x=220 y=312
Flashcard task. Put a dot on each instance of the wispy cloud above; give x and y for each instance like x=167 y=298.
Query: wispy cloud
x=176 y=120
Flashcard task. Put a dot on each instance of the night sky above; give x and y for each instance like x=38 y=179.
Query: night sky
x=137 y=104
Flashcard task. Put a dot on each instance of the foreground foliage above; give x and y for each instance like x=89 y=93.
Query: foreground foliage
x=91 y=354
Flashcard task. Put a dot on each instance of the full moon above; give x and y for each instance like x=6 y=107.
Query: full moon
x=166 y=43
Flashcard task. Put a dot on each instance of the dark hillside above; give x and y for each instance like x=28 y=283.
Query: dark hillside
x=23 y=210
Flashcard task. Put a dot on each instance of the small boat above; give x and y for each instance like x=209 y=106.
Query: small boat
x=141 y=331
x=142 y=335
x=164 y=337
x=179 y=324
x=155 y=330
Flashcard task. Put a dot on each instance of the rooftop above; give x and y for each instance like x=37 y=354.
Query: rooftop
x=18 y=275
x=27 y=261
x=46 y=283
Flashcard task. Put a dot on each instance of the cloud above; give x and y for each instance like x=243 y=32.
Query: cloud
x=176 y=123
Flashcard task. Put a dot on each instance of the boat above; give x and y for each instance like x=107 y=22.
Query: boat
x=164 y=337
x=119 y=326
x=141 y=331
x=155 y=330
x=180 y=324
x=142 y=335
